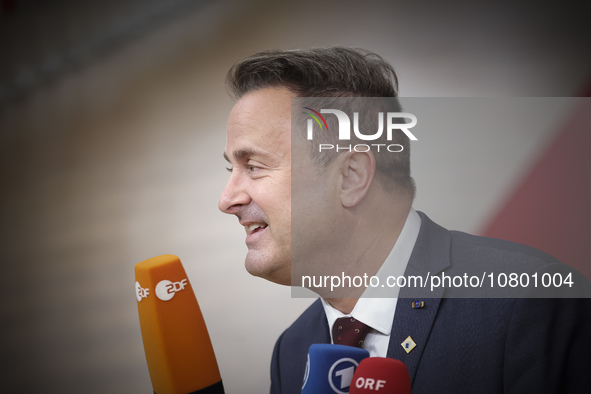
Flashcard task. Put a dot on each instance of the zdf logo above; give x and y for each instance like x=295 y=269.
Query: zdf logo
x=166 y=289
x=140 y=292
x=392 y=120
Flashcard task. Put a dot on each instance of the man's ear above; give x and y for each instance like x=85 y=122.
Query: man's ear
x=357 y=170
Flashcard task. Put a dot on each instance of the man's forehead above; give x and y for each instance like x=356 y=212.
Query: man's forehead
x=259 y=125
x=254 y=123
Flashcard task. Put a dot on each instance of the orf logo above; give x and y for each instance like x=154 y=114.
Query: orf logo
x=166 y=289
x=345 y=124
x=340 y=375
x=370 y=384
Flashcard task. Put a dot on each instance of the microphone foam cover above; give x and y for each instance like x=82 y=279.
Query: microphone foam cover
x=381 y=375
x=330 y=368
x=178 y=349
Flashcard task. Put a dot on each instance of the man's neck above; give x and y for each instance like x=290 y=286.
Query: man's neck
x=347 y=304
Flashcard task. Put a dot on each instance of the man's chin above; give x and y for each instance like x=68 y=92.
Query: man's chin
x=268 y=269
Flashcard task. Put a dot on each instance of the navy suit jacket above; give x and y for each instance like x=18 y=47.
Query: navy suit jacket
x=467 y=345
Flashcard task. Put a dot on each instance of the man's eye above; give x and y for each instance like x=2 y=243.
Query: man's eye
x=253 y=168
x=229 y=169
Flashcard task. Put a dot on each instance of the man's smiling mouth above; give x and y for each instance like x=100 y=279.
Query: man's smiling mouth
x=255 y=227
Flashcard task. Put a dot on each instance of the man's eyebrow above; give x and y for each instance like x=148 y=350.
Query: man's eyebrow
x=242 y=153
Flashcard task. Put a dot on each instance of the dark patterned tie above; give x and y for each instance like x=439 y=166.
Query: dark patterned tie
x=350 y=332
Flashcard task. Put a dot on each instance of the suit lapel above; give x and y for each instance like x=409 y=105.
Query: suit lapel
x=319 y=332
x=413 y=323
x=430 y=256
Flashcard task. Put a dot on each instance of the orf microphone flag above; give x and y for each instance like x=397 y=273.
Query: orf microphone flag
x=178 y=349
x=381 y=375
x=330 y=368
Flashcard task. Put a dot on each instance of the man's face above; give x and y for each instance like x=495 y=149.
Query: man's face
x=258 y=191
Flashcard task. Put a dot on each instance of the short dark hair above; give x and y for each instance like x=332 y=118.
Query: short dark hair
x=329 y=72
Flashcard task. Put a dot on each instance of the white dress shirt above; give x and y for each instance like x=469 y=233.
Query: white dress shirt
x=378 y=313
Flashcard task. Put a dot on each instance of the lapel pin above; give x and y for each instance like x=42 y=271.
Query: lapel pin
x=408 y=344
x=418 y=304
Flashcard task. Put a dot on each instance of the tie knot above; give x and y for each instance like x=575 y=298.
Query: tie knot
x=349 y=331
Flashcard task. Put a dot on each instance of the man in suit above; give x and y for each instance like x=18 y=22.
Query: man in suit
x=317 y=214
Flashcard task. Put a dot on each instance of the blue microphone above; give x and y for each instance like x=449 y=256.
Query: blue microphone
x=330 y=368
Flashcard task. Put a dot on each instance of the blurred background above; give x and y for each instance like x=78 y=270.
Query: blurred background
x=112 y=128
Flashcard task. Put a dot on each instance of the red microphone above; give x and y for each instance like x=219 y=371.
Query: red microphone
x=178 y=349
x=380 y=375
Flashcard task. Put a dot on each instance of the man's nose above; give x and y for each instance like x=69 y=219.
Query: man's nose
x=233 y=196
